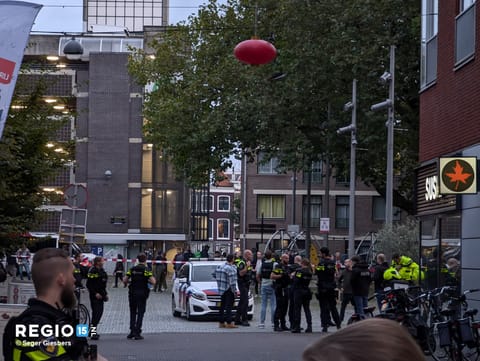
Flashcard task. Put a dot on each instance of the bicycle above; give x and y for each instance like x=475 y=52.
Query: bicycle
x=455 y=330
x=81 y=313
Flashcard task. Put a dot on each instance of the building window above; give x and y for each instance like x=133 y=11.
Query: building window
x=267 y=166
x=161 y=209
x=270 y=206
x=429 y=42
x=208 y=201
x=465 y=32
x=315 y=211
x=210 y=229
x=317 y=173
x=223 y=228
x=378 y=210
x=223 y=203
x=341 y=212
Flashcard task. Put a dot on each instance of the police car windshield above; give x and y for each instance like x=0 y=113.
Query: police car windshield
x=203 y=273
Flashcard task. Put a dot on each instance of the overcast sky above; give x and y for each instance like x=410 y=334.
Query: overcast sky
x=66 y=15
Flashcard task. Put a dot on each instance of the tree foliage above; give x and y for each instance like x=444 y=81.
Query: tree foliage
x=25 y=160
x=206 y=106
x=403 y=239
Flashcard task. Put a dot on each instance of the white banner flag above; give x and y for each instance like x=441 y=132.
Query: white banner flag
x=16 y=21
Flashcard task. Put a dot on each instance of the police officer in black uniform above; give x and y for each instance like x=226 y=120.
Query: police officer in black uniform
x=138 y=291
x=79 y=272
x=52 y=274
x=281 y=277
x=244 y=275
x=326 y=284
x=302 y=296
x=97 y=280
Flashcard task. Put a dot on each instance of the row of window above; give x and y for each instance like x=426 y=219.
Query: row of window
x=464 y=37
x=207 y=203
x=273 y=207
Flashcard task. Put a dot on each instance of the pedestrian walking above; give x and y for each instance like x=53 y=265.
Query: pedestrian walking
x=23 y=259
x=226 y=276
x=302 y=296
x=264 y=274
x=326 y=285
x=97 y=288
x=119 y=270
x=282 y=280
x=160 y=270
x=244 y=275
x=361 y=279
x=139 y=277
x=345 y=286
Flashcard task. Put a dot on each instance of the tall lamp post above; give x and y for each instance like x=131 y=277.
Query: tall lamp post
x=389 y=78
x=352 y=128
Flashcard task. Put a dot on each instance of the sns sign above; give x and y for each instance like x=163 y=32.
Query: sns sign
x=431 y=188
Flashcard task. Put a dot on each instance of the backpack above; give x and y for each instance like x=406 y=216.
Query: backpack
x=267 y=268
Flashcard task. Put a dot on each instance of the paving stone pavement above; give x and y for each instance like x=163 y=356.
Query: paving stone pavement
x=158 y=316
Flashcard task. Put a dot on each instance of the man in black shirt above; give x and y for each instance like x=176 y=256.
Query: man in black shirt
x=138 y=292
x=52 y=274
x=97 y=288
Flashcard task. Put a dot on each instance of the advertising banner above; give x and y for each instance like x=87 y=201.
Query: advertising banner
x=16 y=21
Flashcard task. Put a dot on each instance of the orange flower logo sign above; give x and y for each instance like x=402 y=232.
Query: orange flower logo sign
x=458 y=175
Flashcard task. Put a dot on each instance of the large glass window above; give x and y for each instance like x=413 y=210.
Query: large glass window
x=429 y=42
x=315 y=211
x=267 y=166
x=341 y=211
x=271 y=206
x=465 y=32
x=210 y=228
x=223 y=228
x=317 y=173
x=161 y=209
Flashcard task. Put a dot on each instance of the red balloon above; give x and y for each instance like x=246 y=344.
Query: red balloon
x=255 y=52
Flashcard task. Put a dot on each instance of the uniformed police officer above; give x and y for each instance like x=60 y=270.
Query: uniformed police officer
x=52 y=274
x=326 y=284
x=244 y=275
x=281 y=277
x=138 y=292
x=97 y=288
x=79 y=272
x=302 y=296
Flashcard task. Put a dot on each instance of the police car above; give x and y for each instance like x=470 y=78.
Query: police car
x=195 y=293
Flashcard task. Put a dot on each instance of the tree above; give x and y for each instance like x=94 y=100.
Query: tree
x=25 y=160
x=206 y=106
x=403 y=239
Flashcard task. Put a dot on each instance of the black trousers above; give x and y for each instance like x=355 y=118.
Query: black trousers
x=242 y=307
x=281 y=294
x=226 y=306
x=138 y=304
x=118 y=276
x=291 y=306
x=346 y=299
x=301 y=298
x=328 y=305
x=97 y=310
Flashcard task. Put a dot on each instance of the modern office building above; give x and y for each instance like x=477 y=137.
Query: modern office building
x=129 y=15
x=133 y=202
x=448 y=203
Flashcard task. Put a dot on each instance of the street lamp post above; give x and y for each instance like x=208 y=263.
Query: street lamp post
x=389 y=77
x=352 y=128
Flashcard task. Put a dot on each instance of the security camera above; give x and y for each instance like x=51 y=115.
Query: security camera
x=108 y=174
x=379 y=106
x=348 y=106
x=348 y=128
x=386 y=77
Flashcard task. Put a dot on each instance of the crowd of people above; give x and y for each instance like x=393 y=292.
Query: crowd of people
x=283 y=283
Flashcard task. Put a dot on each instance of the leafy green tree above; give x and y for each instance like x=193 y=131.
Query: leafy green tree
x=399 y=238
x=206 y=106
x=25 y=160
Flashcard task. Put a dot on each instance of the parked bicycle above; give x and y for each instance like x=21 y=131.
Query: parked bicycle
x=81 y=313
x=454 y=328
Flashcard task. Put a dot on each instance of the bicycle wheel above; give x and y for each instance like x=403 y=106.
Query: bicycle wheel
x=83 y=314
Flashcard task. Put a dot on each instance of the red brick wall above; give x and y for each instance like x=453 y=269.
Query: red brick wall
x=450 y=109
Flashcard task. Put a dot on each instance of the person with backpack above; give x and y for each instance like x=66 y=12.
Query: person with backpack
x=52 y=274
x=267 y=292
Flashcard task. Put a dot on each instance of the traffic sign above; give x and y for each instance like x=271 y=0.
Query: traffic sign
x=75 y=196
x=324 y=225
